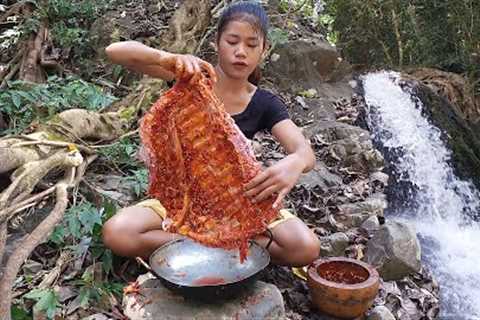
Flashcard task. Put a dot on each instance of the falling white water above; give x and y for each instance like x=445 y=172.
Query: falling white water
x=441 y=204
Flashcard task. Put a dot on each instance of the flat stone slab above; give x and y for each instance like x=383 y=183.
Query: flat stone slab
x=261 y=301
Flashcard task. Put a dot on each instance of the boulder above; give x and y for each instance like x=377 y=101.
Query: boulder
x=380 y=313
x=304 y=64
x=261 y=301
x=352 y=215
x=320 y=177
x=394 y=250
x=371 y=224
x=334 y=245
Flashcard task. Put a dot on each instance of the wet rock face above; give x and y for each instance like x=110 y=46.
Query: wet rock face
x=261 y=301
x=395 y=251
x=462 y=138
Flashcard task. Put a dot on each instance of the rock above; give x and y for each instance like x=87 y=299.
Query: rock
x=262 y=301
x=379 y=178
x=303 y=65
x=394 y=250
x=380 y=313
x=334 y=245
x=461 y=136
x=371 y=224
x=320 y=177
x=353 y=215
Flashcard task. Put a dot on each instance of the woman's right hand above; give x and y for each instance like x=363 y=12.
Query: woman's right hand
x=187 y=67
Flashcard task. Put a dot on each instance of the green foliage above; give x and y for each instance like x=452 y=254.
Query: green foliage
x=18 y=313
x=122 y=153
x=138 y=181
x=277 y=36
x=46 y=301
x=69 y=22
x=81 y=231
x=442 y=34
x=92 y=289
x=25 y=103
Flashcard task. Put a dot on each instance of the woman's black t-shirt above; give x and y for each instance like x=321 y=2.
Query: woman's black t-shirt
x=262 y=112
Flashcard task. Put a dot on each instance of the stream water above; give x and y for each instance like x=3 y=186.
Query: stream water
x=432 y=198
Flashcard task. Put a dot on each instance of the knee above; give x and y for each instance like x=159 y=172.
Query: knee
x=115 y=234
x=308 y=248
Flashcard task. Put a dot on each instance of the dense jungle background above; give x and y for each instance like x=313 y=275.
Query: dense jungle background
x=69 y=126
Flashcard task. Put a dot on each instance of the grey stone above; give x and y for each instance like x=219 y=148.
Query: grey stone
x=307 y=64
x=380 y=313
x=371 y=224
x=379 y=178
x=394 y=250
x=321 y=177
x=262 y=301
x=355 y=214
x=334 y=245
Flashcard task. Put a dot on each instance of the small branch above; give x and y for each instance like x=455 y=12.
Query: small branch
x=33 y=199
x=11 y=63
x=128 y=134
x=60 y=265
x=10 y=75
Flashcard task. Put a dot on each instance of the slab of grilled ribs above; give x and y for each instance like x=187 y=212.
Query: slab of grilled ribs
x=199 y=162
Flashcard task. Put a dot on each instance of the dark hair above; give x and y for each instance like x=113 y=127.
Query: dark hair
x=252 y=13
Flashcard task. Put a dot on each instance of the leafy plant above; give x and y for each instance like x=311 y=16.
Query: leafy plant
x=47 y=301
x=25 y=103
x=122 y=153
x=138 y=181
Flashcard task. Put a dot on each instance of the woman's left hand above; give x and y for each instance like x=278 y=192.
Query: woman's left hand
x=281 y=177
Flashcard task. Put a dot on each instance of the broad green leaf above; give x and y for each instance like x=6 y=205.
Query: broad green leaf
x=89 y=217
x=74 y=226
x=47 y=301
x=58 y=235
x=84 y=296
x=107 y=261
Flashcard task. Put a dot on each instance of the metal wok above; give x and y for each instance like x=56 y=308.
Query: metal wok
x=205 y=273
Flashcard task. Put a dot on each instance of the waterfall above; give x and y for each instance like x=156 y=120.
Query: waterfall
x=434 y=200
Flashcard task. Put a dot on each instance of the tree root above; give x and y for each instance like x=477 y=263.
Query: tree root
x=27 y=176
x=27 y=245
x=187 y=25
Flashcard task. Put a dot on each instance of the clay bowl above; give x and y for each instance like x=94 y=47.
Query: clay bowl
x=342 y=287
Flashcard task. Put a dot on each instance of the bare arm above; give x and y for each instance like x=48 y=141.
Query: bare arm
x=282 y=176
x=292 y=139
x=157 y=63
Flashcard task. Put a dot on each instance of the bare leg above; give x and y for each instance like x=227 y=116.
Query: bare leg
x=294 y=244
x=135 y=232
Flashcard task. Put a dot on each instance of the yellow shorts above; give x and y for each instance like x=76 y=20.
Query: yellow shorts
x=156 y=206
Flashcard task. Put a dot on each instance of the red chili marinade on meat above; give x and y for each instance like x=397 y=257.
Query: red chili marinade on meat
x=198 y=163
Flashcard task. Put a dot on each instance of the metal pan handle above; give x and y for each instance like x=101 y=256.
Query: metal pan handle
x=146 y=266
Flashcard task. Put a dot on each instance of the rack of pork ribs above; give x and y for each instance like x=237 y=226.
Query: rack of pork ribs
x=199 y=162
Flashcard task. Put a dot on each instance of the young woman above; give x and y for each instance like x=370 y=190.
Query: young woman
x=241 y=44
